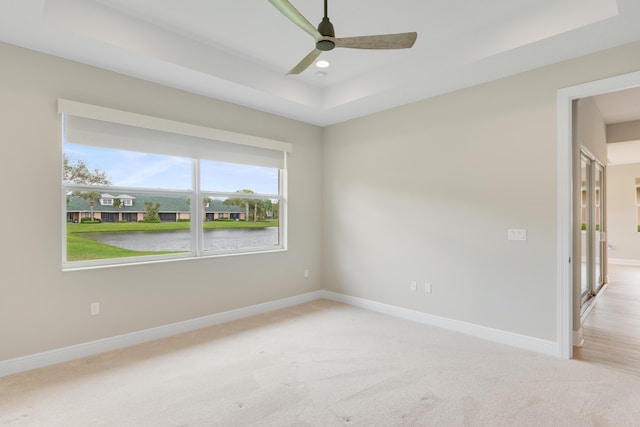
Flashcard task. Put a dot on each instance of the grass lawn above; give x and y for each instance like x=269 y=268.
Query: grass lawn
x=81 y=249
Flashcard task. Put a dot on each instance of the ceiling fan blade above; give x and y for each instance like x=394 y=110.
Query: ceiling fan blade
x=296 y=17
x=382 y=41
x=306 y=61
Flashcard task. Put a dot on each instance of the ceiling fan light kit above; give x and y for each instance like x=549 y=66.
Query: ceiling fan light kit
x=326 y=39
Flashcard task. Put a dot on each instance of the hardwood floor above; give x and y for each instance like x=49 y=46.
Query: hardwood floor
x=612 y=328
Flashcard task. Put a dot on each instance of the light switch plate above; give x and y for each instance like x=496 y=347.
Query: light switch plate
x=517 y=234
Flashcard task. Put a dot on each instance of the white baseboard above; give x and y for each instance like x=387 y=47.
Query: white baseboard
x=622 y=261
x=65 y=354
x=483 y=332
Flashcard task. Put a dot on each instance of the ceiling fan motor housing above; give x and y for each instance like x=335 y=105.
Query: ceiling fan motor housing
x=326 y=29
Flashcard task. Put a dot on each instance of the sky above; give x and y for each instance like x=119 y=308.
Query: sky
x=144 y=170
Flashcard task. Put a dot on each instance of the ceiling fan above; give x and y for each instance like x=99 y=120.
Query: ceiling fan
x=326 y=39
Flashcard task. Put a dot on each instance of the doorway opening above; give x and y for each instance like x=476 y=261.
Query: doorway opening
x=570 y=294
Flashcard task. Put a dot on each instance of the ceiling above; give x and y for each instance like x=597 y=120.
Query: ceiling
x=619 y=107
x=240 y=51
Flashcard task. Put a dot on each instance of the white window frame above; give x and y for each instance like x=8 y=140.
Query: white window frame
x=87 y=111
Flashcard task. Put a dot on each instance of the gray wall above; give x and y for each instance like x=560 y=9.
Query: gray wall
x=622 y=213
x=422 y=192
x=624 y=131
x=43 y=308
x=428 y=191
x=590 y=130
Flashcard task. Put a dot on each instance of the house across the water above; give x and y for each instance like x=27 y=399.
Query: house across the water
x=131 y=208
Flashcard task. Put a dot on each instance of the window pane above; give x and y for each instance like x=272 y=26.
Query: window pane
x=241 y=223
x=149 y=224
x=123 y=204
x=231 y=177
x=127 y=168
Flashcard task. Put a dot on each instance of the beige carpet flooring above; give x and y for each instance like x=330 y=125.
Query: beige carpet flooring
x=321 y=364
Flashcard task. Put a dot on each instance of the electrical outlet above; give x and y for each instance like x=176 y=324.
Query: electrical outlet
x=427 y=288
x=414 y=285
x=95 y=308
x=306 y=272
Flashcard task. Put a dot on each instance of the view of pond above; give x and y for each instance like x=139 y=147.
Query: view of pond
x=179 y=240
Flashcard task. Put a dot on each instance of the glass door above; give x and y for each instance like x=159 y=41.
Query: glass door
x=592 y=234
x=585 y=244
x=598 y=230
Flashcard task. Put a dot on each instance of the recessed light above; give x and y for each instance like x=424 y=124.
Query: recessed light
x=323 y=64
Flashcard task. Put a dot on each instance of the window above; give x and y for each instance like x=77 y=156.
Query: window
x=140 y=188
x=106 y=200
